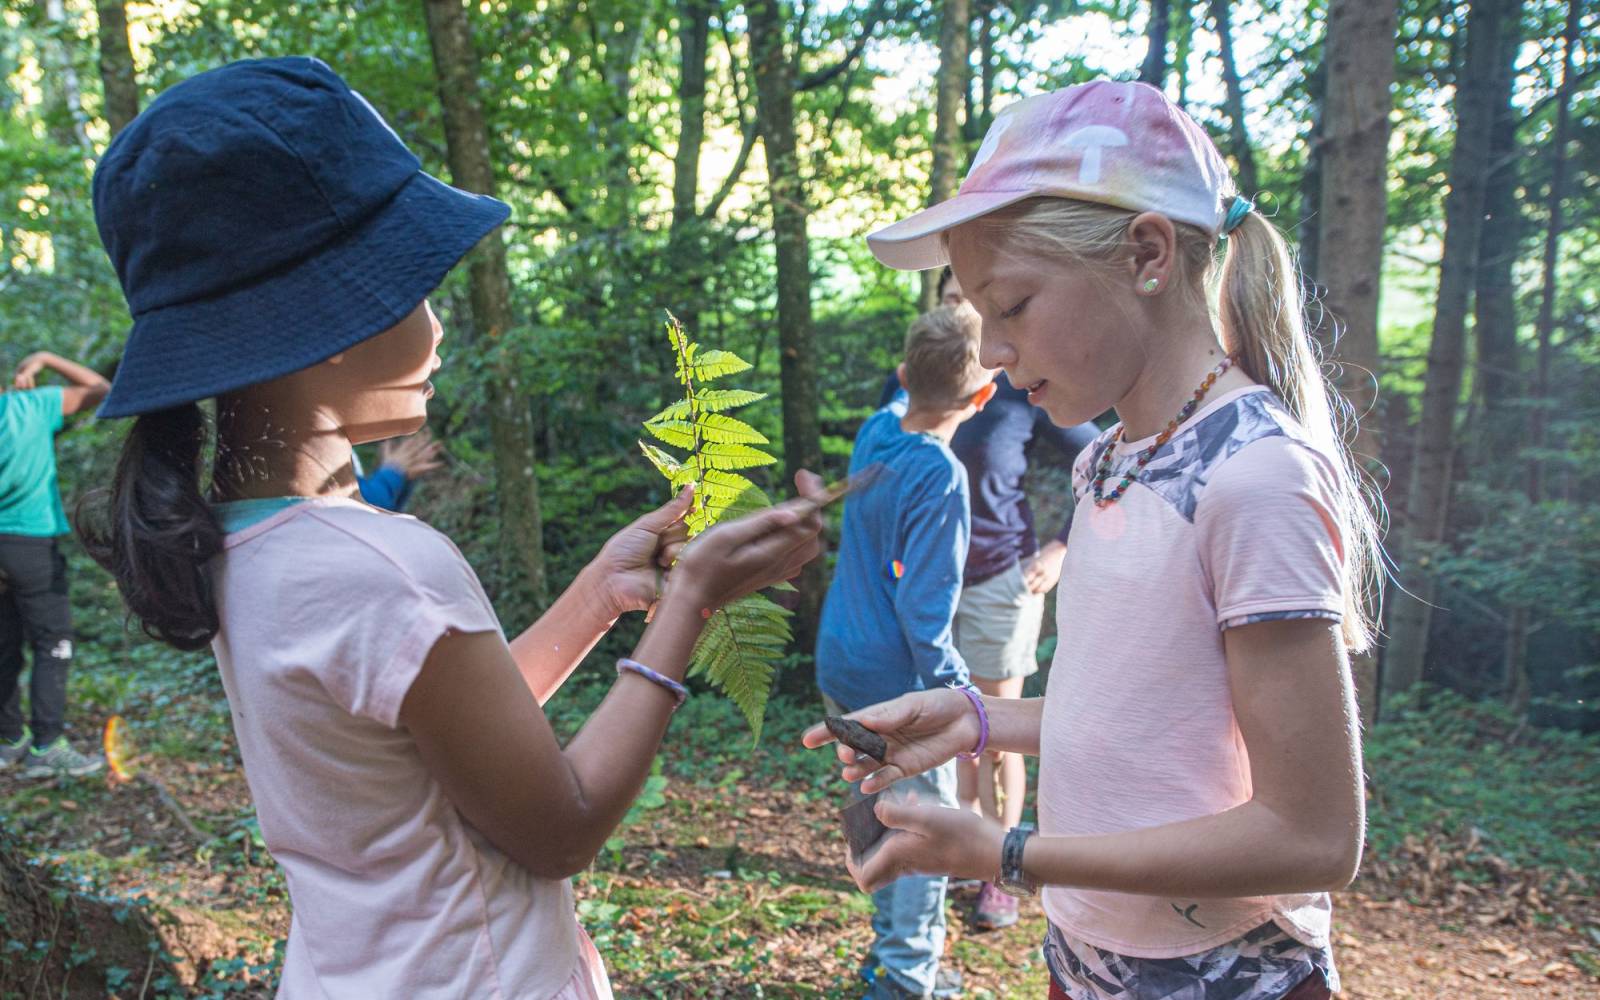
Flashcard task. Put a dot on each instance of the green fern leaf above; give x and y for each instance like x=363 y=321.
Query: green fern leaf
x=678 y=433
x=733 y=456
x=709 y=365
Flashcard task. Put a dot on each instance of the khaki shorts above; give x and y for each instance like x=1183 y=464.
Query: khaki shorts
x=997 y=627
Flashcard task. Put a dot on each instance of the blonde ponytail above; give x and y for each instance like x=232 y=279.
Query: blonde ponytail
x=1263 y=322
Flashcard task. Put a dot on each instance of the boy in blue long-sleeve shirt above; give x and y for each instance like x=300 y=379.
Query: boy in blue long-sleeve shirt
x=886 y=623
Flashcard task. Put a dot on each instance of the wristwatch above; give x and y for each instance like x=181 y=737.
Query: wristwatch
x=1013 y=881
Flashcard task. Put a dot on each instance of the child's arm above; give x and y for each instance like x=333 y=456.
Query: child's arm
x=933 y=551
x=622 y=578
x=88 y=386
x=1301 y=830
x=482 y=736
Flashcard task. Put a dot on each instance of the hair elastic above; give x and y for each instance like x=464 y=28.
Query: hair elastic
x=1240 y=208
x=634 y=666
x=983 y=721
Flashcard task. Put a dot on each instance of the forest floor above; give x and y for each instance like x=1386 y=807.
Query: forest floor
x=727 y=880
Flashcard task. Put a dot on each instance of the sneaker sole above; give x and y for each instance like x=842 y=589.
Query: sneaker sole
x=61 y=772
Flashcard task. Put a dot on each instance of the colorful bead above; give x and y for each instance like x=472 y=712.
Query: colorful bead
x=1102 y=499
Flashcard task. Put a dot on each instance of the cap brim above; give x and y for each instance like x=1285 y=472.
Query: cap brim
x=913 y=243
x=343 y=294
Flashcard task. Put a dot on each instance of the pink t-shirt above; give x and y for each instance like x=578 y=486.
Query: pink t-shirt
x=328 y=610
x=1233 y=521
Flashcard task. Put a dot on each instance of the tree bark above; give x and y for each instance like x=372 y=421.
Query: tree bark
x=1154 y=69
x=62 y=88
x=954 y=69
x=1428 y=502
x=117 y=77
x=1353 y=156
x=1496 y=384
x=510 y=423
x=694 y=34
x=1544 y=325
x=797 y=363
x=1237 y=133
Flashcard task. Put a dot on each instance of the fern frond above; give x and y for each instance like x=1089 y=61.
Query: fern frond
x=710 y=365
x=733 y=456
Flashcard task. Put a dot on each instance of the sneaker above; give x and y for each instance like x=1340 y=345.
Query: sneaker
x=948 y=983
x=60 y=760
x=995 y=909
x=11 y=752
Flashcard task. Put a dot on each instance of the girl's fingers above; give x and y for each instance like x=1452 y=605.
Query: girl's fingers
x=816 y=736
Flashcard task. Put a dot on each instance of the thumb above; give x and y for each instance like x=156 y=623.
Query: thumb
x=669 y=513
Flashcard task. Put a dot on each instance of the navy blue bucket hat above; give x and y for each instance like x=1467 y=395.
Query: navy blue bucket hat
x=262 y=217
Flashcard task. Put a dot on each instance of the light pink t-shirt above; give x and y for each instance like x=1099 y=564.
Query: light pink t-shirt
x=1233 y=521
x=328 y=610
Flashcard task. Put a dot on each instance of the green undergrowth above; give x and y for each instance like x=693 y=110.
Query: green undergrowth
x=1441 y=764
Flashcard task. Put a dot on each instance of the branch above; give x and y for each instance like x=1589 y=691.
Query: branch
x=746 y=144
x=869 y=25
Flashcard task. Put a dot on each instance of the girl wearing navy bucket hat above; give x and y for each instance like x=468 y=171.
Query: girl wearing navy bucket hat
x=1199 y=789
x=276 y=243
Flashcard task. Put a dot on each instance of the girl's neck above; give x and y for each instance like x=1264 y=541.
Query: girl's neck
x=1170 y=378
x=258 y=457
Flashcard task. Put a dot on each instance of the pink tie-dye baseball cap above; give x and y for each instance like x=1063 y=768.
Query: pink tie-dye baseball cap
x=1121 y=144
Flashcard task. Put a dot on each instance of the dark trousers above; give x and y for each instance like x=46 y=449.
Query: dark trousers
x=34 y=612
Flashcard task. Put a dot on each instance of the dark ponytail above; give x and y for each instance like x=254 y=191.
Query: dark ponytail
x=155 y=532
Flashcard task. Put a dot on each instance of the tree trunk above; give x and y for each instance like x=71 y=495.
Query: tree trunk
x=1353 y=159
x=797 y=363
x=954 y=68
x=510 y=424
x=1496 y=384
x=1544 y=326
x=1309 y=227
x=62 y=89
x=1237 y=133
x=117 y=78
x=694 y=33
x=1154 y=69
x=1428 y=502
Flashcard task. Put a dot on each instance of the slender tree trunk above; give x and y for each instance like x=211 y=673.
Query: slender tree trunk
x=62 y=87
x=117 y=78
x=1154 y=69
x=986 y=70
x=1354 y=164
x=1496 y=382
x=1237 y=132
x=1181 y=30
x=694 y=33
x=1428 y=503
x=1544 y=325
x=802 y=441
x=954 y=68
x=1309 y=228
x=510 y=424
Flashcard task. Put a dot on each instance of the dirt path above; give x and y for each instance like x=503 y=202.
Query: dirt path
x=737 y=891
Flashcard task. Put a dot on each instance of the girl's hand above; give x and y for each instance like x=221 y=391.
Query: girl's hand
x=929 y=840
x=923 y=729
x=414 y=456
x=631 y=566
x=760 y=549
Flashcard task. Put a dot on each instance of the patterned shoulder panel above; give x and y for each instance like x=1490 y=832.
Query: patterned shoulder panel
x=1180 y=470
x=1083 y=465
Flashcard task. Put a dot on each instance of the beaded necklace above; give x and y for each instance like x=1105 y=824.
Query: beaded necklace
x=1102 y=471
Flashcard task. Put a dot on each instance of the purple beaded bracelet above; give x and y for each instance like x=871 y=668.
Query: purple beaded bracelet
x=983 y=721
x=634 y=666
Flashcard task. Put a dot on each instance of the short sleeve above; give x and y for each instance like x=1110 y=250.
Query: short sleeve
x=46 y=402
x=1268 y=532
x=409 y=587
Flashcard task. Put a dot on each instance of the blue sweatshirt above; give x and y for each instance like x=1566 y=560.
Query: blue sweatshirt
x=885 y=626
x=996 y=446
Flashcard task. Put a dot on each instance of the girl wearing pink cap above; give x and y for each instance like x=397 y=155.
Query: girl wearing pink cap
x=1200 y=787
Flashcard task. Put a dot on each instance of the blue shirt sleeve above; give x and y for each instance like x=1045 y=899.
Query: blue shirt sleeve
x=1068 y=441
x=46 y=403
x=891 y=386
x=385 y=488
x=935 y=532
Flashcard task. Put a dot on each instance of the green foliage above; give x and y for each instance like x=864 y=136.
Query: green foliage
x=1439 y=762
x=742 y=643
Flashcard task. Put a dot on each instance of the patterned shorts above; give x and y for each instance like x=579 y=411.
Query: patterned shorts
x=1264 y=964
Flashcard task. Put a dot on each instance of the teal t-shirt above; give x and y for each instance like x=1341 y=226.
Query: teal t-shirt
x=30 y=500
x=237 y=515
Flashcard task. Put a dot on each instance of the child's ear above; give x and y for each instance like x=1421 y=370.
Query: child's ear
x=900 y=373
x=981 y=398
